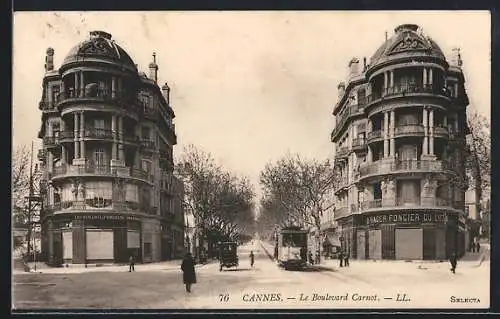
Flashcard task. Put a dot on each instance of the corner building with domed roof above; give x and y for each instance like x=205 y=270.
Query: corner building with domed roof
x=107 y=160
x=399 y=151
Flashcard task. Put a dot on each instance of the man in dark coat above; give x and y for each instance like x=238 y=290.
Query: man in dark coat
x=188 y=273
x=453 y=262
x=252 y=258
x=341 y=258
x=131 y=263
x=346 y=259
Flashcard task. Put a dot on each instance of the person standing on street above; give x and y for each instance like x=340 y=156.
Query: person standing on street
x=453 y=262
x=341 y=258
x=346 y=259
x=131 y=263
x=188 y=273
x=252 y=258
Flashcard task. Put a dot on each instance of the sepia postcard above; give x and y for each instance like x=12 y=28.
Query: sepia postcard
x=251 y=160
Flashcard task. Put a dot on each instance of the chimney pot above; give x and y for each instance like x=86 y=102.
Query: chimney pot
x=49 y=60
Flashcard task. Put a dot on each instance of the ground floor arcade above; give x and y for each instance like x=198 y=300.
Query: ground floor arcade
x=403 y=235
x=109 y=238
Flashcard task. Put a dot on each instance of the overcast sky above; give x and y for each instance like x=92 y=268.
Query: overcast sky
x=246 y=86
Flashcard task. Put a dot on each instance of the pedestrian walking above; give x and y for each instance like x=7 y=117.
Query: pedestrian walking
x=478 y=246
x=453 y=262
x=188 y=273
x=252 y=258
x=341 y=258
x=131 y=263
x=346 y=259
x=311 y=260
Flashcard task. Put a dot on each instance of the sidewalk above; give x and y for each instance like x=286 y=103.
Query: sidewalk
x=80 y=268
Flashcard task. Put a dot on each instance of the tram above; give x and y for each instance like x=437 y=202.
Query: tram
x=291 y=247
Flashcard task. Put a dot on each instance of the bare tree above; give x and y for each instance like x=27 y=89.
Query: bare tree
x=478 y=159
x=25 y=184
x=221 y=202
x=303 y=188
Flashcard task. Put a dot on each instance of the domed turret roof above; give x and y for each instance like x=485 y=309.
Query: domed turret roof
x=101 y=47
x=408 y=41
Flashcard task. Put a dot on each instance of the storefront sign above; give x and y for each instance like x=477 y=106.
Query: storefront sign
x=105 y=217
x=405 y=218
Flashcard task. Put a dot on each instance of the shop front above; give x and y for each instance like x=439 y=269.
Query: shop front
x=94 y=238
x=403 y=235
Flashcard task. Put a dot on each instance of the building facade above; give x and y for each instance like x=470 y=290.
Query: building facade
x=399 y=150
x=107 y=159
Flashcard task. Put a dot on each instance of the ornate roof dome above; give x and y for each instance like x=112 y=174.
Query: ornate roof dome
x=100 y=47
x=408 y=41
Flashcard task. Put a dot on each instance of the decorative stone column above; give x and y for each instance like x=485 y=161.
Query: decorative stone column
x=118 y=162
x=82 y=85
x=430 y=79
x=121 y=148
x=391 y=82
x=386 y=134
x=75 y=137
x=392 y=148
x=431 y=131
x=80 y=144
x=385 y=83
x=424 y=77
x=424 y=145
x=82 y=135
x=114 y=148
x=113 y=87
x=77 y=84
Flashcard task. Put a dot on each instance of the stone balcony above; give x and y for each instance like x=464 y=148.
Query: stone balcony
x=408 y=90
x=359 y=145
x=397 y=203
x=374 y=136
x=409 y=130
x=51 y=141
x=102 y=204
x=342 y=152
x=349 y=111
x=96 y=94
x=101 y=170
x=97 y=134
x=387 y=166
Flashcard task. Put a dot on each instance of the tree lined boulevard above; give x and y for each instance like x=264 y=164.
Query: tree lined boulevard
x=159 y=286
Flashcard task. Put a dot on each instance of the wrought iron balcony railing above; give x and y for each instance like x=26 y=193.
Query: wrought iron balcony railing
x=409 y=129
x=101 y=170
x=407 y=89
x=379 y=167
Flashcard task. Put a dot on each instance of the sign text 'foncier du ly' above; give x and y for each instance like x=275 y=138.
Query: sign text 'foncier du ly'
x=405 y=218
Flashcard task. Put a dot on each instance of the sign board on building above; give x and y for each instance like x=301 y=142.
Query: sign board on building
x=405 y=218
x=105 y=217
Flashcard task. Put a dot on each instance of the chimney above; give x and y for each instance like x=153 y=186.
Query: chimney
x=341 y=88
x=385 y=35
x=153 y=69
x=364 y=64
x=353 y=67
x=49 y=60
x=456 y=58
x=166 y=92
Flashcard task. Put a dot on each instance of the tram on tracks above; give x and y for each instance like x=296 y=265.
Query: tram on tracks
x=291 y=247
